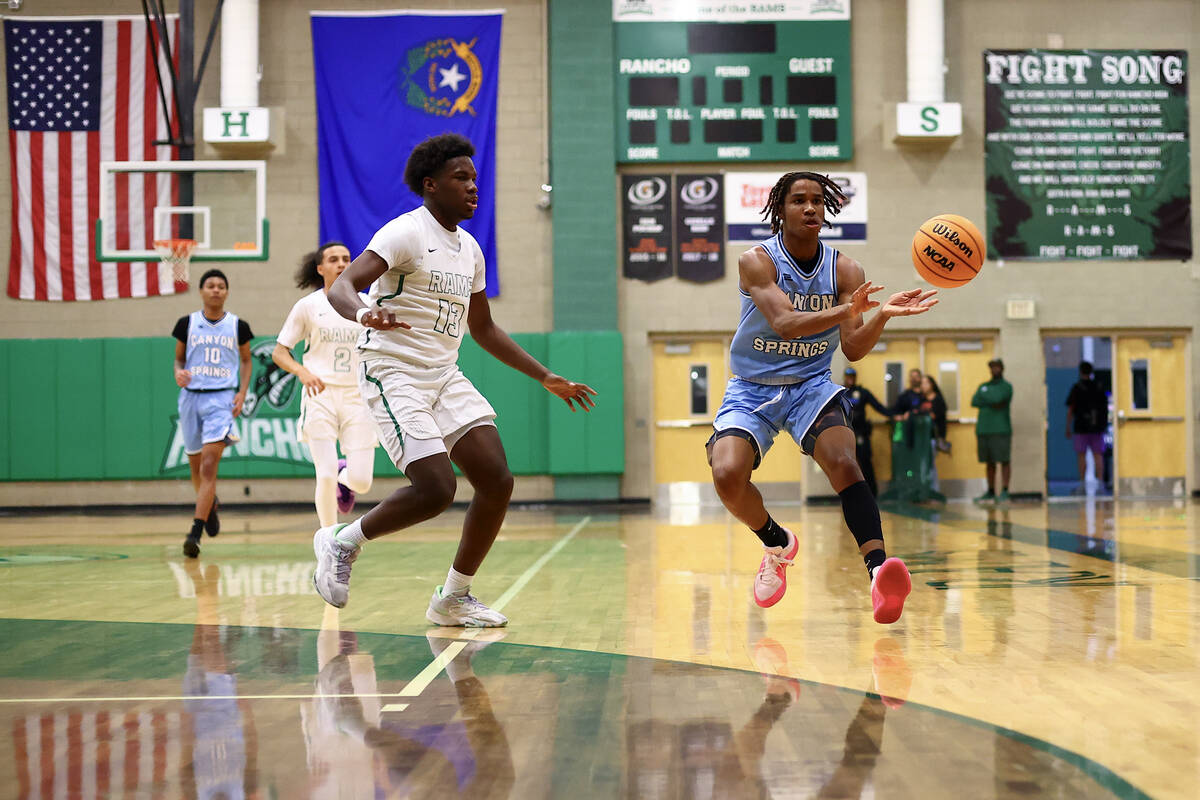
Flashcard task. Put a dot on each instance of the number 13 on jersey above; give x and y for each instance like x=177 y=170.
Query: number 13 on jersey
x=449 y=316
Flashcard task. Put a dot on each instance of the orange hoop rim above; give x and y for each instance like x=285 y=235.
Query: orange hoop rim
x=175 y=249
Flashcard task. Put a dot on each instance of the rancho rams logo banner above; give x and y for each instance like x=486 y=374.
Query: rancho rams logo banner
x=266 y=428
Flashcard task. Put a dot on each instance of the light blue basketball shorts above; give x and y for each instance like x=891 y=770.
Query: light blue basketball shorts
x=764 y=410
x=204 y=418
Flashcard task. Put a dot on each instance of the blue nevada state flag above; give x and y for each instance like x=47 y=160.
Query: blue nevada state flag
x=385 y=82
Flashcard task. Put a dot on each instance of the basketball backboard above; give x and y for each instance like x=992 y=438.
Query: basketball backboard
x=220 y=204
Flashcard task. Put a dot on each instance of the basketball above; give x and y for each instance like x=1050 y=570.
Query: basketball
x=948 y=250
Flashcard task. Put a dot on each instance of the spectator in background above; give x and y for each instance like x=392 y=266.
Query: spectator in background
x=933 y=404
x=993 y=431
x=860 y=398
x=910 y=399
x=1087 y=421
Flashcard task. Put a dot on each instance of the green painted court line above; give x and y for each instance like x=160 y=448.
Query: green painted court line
x=427 y=675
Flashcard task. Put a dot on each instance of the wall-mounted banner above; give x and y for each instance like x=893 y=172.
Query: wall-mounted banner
x=386 y=81
x=1087 y=154
x=746 y=193
x=646 y=219
x=700 y=226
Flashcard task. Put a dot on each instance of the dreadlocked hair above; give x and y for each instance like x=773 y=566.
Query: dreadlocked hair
x=307 y=276
x=831 y=195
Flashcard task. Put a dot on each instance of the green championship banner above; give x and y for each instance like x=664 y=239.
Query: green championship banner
x=1087 y=154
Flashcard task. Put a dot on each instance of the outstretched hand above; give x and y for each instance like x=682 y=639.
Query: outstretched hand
x=570 y=391
x=905 y=304
x=382 y=320
x=861 y=301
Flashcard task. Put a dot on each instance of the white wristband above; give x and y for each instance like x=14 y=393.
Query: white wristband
x=358 y=315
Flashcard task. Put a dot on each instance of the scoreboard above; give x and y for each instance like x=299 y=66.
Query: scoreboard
x=768 y=90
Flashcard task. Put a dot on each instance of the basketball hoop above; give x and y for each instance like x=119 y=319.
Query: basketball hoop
x=177 y=253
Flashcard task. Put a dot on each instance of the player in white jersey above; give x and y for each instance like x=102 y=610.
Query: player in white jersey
x=331 y=408
x=427 y=289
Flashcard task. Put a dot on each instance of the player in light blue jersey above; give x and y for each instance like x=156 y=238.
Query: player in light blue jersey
x=212 y=370
x=800 y=300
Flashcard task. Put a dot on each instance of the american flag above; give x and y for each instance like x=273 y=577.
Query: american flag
x=82 y=91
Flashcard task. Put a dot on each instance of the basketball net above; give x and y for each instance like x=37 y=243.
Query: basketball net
x=177 y=253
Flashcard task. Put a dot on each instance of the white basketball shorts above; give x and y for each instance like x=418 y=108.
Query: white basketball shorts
x=420 y=412
x=338 y=413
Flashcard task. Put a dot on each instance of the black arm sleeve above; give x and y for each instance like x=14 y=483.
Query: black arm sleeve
x=181 y=329
x=874 y=403
x=244 y=332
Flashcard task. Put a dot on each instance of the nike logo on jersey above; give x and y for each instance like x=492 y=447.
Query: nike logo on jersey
x=432 y=249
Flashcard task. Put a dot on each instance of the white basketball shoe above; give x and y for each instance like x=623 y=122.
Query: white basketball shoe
x=462 y=610
x=334 y=559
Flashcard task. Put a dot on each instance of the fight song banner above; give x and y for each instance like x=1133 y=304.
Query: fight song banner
x=699 y=228
x=1087 y=154
x=646 y=219
x=746 y=194
x=386 y=81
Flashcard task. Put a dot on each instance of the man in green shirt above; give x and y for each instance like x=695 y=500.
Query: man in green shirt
x=993 y=431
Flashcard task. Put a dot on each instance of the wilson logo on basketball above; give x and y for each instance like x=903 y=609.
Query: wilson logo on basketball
x=951 y=236
x=939 y=259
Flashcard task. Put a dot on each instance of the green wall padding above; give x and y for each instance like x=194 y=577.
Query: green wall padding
x=104 y=409
x=593 y=442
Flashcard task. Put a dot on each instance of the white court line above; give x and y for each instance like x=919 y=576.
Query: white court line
x=412 y=689
x=427 y=675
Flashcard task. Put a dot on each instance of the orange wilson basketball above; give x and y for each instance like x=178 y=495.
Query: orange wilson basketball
x=948 y=250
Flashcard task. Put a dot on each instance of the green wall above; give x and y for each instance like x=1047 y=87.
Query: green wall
x=582 y=167
x=104 y=409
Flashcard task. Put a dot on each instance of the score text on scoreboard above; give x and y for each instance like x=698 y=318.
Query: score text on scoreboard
x=733 y=90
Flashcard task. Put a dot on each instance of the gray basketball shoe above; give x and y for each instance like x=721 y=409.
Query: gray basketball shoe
x=462 y=610
x=334 y=559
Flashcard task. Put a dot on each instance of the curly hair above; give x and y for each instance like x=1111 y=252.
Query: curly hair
x=431 y=155
x=307 y=276
x=831 y=194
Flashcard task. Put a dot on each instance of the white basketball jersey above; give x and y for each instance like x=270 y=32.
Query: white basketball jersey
x=329 y=339
x=432 y=274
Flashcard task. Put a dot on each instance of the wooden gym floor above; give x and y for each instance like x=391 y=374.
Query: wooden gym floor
x=1047 y=650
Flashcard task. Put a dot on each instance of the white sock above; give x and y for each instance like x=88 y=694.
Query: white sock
x=326 y=502
x=456 y=582
x=352 y=534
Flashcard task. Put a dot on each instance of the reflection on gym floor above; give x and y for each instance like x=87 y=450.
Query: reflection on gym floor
x=636 y=664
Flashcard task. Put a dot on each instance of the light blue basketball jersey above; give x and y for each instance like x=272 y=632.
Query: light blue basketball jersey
x=757 y=353
x=212 y=352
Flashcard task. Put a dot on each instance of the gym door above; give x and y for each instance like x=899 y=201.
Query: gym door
x=689 y=383
x=1151 y=398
